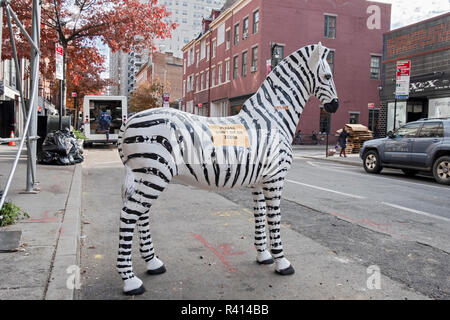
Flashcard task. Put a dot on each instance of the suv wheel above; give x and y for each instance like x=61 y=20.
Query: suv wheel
x=409 y=172
x=441 y=170
x=371 y=162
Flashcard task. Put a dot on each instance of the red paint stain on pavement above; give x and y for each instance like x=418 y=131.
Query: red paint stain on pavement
x=368 y=222
x=45 y=219
x=226 y=251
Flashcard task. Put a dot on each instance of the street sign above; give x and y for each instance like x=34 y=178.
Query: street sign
x=403 y=78
x=371 y=105
x=59 y=52
x=74 y=94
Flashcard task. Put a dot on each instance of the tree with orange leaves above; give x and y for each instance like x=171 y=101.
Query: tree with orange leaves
x=77 y=24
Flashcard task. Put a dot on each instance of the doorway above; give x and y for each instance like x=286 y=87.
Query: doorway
x=6 y=118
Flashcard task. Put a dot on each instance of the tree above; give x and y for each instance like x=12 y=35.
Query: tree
x=77 y=24
x=148 y=95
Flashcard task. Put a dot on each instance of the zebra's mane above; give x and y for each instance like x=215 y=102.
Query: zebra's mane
x=290 y=83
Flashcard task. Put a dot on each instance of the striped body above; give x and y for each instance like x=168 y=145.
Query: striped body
x=252 y=148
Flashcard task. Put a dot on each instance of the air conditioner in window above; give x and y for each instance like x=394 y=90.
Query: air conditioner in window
x=253 y=69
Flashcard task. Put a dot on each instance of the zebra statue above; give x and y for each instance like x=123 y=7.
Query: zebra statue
x=252 y=148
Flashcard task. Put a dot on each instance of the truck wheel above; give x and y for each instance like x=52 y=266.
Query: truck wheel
x=371 y=162
x=441 y=170
x=409 y=172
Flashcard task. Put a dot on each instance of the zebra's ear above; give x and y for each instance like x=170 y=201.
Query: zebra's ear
x=315 y=56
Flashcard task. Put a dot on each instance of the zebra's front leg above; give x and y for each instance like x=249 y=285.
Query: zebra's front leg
x=272 y=194
x=259 y=211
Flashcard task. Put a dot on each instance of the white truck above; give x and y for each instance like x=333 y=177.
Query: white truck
x=93 y=106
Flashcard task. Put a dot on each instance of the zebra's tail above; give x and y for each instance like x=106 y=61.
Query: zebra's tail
x=119 y=141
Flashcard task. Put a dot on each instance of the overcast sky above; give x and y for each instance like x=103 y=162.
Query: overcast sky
x=405 y=12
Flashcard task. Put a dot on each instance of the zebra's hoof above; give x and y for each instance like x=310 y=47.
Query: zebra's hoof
x=135 y=292
x=160 y=270
x=267 y=261
x=285 y=272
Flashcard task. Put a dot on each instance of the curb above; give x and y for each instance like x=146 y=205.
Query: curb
x=66 y=261
x=346 y=162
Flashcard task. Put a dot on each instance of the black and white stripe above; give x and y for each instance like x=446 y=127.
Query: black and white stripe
x=156 y=145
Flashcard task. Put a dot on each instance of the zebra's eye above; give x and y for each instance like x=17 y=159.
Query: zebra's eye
x=328 y=76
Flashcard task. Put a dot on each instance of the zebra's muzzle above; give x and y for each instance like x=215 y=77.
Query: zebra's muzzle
x=332 y=106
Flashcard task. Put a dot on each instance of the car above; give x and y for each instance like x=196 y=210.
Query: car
x=419 y=146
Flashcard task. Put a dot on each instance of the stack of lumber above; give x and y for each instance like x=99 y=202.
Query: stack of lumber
x=358 y=135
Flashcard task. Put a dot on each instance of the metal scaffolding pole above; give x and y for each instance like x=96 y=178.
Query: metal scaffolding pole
x=30 y=128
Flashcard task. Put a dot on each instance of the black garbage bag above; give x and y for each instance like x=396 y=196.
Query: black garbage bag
x=60 y=148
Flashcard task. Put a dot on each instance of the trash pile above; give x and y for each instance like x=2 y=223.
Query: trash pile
x=61 y=148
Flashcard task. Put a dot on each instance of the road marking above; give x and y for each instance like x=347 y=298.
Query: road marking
x=426 y=214
x=376 y=177
x=327 y=190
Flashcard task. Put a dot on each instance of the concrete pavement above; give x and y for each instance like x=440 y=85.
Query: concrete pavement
x=50 y=237
x=206 y=243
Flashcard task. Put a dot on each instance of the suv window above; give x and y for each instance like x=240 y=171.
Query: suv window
x=408 y=130
x=431 y=130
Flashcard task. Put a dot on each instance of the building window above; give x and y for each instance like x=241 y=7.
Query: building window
x=330 y=60
x=228 y=39
x=277 y=54
x=219 y=74
x=197 y=80
x=254 y=59
x=198 y=59
x=227 y=70
x=214 y=47
x=202 y=84
x=203 y=49
x=207 y=79
x=245 y=29
x=213 y=77
x=236 y=34
x=235 y=67
x=184 y=88
x=255 y=21
x=330 y=27
x=375 y=64
x=244 y=63
x=207 y=52
x=354 y=118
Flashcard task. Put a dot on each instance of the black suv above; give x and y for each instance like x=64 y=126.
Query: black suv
x=423 y=145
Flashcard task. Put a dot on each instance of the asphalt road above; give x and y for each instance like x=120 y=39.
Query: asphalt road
x=337 y=221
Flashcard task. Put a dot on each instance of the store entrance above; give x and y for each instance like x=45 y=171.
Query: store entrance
x=416 y=109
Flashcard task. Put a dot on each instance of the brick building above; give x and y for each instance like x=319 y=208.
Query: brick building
x=166 y=68
x=229 y=60
x=427 y=45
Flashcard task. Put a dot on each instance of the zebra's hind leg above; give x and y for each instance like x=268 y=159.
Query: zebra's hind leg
x=259 y=211
x=272 y=193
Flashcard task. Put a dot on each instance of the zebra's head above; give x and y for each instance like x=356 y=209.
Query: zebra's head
x=324 y=89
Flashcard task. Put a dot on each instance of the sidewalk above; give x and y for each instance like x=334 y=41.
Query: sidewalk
x=318 y=152
x=49 y=242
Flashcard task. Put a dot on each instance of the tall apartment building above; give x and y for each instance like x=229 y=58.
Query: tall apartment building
x=122 y=70
x=227 y=64
x=188 y=14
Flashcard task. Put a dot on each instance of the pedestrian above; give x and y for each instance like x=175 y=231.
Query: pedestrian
x=104 y=123
x=314 y=137
x=298 y=137
x=343 y=142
